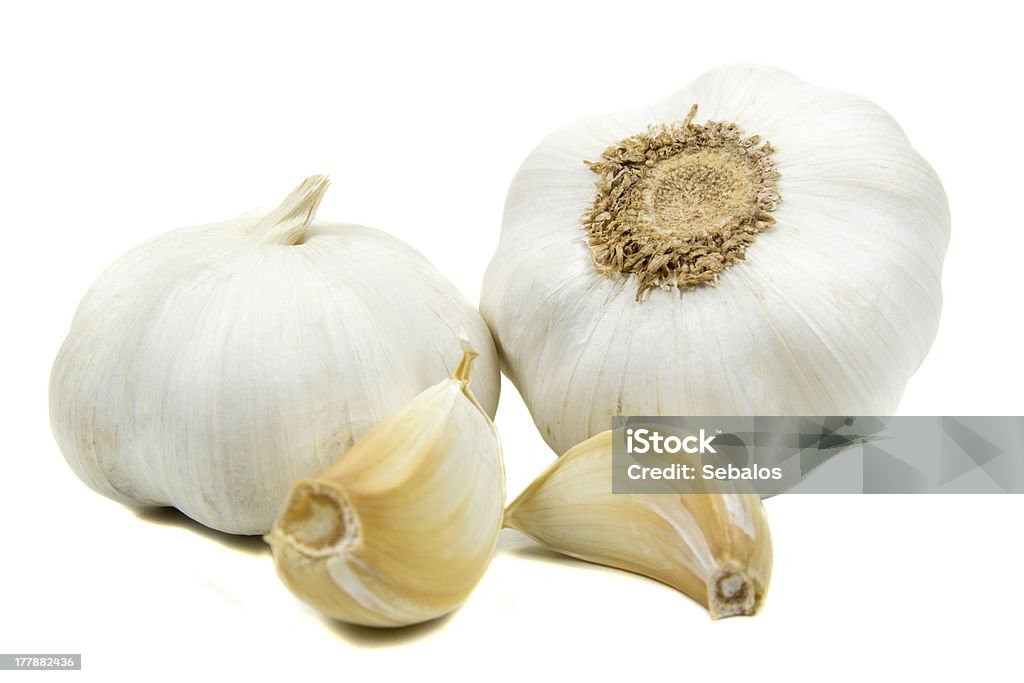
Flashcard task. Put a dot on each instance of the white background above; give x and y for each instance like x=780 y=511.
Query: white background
x=121 y=120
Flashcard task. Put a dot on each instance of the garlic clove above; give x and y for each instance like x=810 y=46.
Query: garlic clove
x=714 y=547
x=402 y=527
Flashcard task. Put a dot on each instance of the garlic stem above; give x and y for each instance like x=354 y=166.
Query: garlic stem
x=288 y=222
x=464 y=372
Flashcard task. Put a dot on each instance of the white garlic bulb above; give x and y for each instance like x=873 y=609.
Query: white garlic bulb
x=209 y=368
x=753 y=245
x=403 y=526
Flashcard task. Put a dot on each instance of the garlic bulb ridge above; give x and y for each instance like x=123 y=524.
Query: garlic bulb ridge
x=753 y=245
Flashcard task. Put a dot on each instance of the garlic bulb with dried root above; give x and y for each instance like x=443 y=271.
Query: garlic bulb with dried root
x=210 y=367
x=753 y=245
x=712 y=546
x=402 y=527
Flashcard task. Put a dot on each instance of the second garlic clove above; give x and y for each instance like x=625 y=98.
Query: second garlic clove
x=714 y=547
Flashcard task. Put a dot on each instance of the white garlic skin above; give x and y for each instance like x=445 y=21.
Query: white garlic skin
x=209 y=368
x=832 y=311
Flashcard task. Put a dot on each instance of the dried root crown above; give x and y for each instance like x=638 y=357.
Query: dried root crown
x=732 y=593
x=678 y=204
x=318 y=520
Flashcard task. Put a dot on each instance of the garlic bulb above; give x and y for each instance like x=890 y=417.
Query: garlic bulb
x=753 y=245
x=714 y=547
x=209 y=368
x=403 y=526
